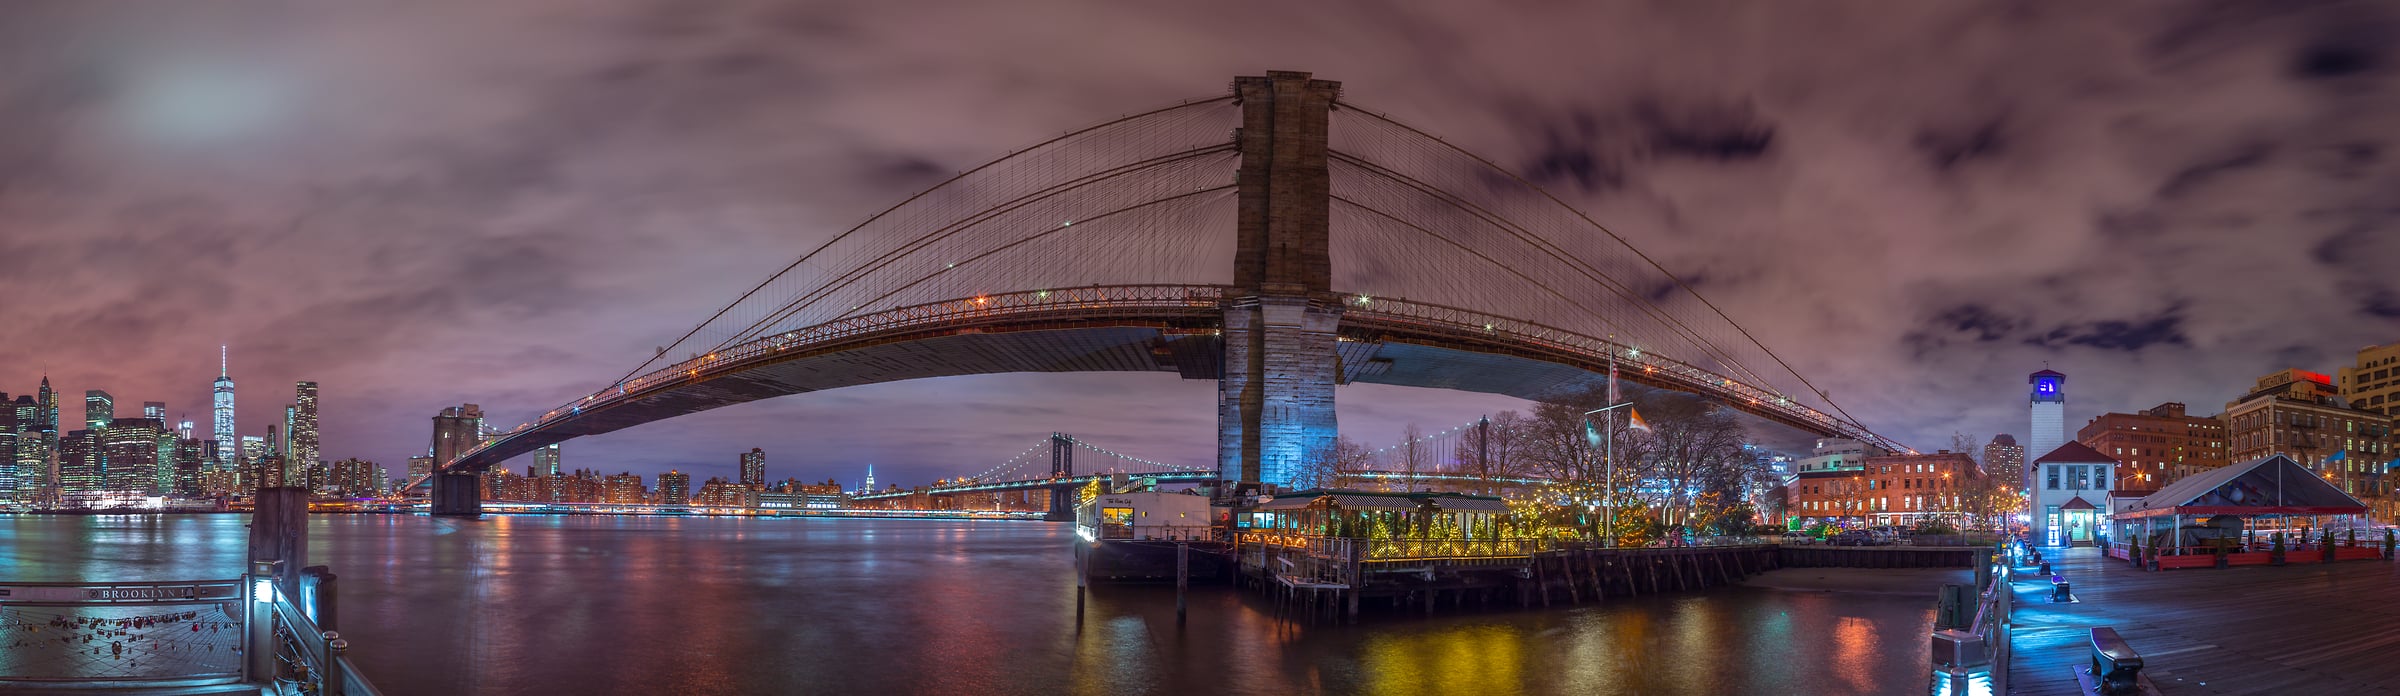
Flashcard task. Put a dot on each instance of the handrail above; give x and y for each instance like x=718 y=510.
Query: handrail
x=1198 y=300
x=1467 y=322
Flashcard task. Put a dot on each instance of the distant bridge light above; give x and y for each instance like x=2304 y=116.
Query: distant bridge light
x=1042 y=295
x=1067 y=223
x=1363 y=300
x=1633 y=352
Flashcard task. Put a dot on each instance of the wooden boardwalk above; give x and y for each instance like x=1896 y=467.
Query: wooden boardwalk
x=2304 y=629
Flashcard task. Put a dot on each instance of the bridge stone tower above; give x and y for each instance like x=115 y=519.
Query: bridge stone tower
x=1062 y=463
x=1275 y=398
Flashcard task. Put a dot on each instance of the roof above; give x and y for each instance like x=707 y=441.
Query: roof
x=2270 y=485
x=1371 y=500
x=2075 y=453
x=2046 y=373
x=2079 y=504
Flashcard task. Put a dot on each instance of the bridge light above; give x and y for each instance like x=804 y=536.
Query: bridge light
x=1633 y=352
x=1042 y=295
x=1067 y=223
x=979 y=299
x=1487 y=327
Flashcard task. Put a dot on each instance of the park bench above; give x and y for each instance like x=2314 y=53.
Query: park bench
x=2114 y=664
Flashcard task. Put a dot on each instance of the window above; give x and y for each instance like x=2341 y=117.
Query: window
x=2053 y=476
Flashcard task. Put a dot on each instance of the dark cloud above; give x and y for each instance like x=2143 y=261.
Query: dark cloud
x=2335 y=59
x=1947 y=150
x=2128 y=335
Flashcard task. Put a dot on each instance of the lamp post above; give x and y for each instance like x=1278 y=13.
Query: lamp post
x=1608 y=458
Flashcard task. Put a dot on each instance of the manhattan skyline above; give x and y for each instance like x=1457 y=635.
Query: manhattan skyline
x=2162 y=201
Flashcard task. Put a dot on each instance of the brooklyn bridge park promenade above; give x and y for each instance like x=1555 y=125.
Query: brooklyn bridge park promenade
x=2302 y=628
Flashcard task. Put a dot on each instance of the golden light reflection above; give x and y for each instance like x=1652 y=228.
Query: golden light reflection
x=1459 y=660
x=1854 y=652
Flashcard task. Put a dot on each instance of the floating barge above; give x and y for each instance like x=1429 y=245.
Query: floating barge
x=1144 y=536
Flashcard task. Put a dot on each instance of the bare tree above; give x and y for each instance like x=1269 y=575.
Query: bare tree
x=1413 y=454
x=1334 y=466
x=1692 y=447
x=1969 y=445
x=1495 y=449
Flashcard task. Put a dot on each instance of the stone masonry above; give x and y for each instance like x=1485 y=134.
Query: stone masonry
x=1275 y=398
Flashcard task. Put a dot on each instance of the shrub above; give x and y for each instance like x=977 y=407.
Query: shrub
x=1936 y=526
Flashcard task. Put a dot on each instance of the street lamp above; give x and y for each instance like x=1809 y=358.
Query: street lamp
x=1608 y=457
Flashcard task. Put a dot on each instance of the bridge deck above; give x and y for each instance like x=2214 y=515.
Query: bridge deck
x=2300 y=629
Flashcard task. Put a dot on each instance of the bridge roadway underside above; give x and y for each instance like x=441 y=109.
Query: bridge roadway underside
x=1184 y=346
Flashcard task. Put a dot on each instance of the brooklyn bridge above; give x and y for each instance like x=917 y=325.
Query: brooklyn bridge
x=1362 y=250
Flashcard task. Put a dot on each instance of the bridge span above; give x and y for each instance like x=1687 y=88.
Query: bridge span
x=1369 y=253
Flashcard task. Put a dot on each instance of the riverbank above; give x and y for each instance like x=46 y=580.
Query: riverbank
x=1911 y=582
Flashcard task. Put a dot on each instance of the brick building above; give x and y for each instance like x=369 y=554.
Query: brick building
x=2156 y=446
x=1896 y=489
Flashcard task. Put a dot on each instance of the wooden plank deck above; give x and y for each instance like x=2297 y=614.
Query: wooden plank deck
x=2305 y=629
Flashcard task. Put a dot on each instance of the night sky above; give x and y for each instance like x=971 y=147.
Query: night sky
x=510 y=203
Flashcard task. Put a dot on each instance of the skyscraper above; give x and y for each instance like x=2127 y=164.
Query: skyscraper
x=221 y=400
x=79 y=462
x=155 y=410
x=674 y=488
x=456 y=430
x=2004 y=459
x=99 y=409
x=32 y=458
x=128 y=455
x=251 y=448
x=546 y=460
x=2049 y=401
x=754 y=468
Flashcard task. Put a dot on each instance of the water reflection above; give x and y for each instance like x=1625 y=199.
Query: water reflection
x=604 y=605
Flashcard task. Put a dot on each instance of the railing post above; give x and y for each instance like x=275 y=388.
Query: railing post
x=258 y=648
x=332 y=672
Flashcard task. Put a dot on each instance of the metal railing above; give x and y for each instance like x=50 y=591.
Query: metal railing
x=1196 y=301
x=1074 y=303
x=1467 y=323
x=1973 y=659
x=304 y=658
x=1397 y=550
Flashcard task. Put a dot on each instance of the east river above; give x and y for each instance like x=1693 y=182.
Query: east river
x=662 y=605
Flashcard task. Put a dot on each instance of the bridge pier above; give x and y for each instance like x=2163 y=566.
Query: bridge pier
x=1275 y=393
x=457 y=495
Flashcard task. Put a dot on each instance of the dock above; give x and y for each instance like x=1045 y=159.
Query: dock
x=2294 y=629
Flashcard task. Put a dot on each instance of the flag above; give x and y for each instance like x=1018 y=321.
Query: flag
x=1591 y=434
x=1633 y=420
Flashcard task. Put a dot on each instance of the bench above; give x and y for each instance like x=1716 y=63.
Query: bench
x=2061 y=590
x=2114 y=664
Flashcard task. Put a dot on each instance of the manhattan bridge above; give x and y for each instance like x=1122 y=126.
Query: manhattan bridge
x=1360 y=250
